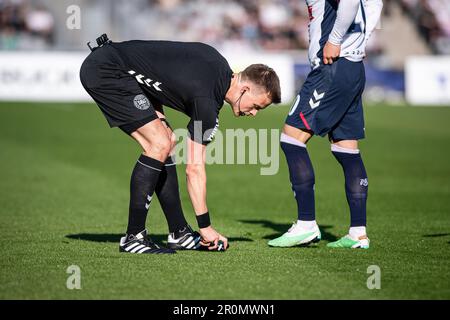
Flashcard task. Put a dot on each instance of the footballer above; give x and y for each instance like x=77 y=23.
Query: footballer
x=330 y=103
x=131 y=81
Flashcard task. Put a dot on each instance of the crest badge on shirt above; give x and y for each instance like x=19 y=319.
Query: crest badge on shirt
x=141 y=102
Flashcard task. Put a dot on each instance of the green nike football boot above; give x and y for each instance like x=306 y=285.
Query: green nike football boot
x=295 y=236
x=350 y=243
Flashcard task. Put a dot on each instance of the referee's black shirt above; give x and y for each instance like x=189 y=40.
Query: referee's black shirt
x=189 y=77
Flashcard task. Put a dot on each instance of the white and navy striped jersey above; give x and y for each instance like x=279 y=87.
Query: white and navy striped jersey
x=348 y=23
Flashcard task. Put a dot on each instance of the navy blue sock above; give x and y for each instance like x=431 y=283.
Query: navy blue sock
x=302 y=178
x=356 y=186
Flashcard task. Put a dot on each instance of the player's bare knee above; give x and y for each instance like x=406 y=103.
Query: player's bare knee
x=162 y=147
x=346 y=144
x=159 y=148
x=147 y=148
x=297 y=134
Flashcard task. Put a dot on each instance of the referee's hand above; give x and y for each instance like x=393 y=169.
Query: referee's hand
x=211 y=236
x=331 y=52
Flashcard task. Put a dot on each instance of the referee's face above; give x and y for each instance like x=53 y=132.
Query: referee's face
x=251 y=100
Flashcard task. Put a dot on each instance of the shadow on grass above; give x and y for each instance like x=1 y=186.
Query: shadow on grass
x=281 y=228
x=436 y=235
x=115 y=238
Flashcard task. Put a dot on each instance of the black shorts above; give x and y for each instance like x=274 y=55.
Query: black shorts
x=123 y=103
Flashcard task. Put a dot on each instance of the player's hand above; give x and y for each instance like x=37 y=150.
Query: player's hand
x=330 y=53
x=211 y=236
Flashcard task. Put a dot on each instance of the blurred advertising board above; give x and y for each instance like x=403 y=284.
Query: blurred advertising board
x=46 y=76
x=428 y=80
x=54 y=76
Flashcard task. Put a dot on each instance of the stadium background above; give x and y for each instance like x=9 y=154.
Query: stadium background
x=64 y=175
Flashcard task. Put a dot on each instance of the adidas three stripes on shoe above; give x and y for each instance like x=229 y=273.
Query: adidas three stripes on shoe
x=141 y=243
x=184 y=239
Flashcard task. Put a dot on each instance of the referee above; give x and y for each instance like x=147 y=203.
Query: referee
x=131 y=81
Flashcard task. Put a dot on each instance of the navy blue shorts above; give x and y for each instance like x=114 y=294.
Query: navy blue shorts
x=330 y=101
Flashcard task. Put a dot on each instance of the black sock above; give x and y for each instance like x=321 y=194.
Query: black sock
x=143 y=181
x=169 y=196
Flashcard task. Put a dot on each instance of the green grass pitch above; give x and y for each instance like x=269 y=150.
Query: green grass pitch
x=64 y=180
